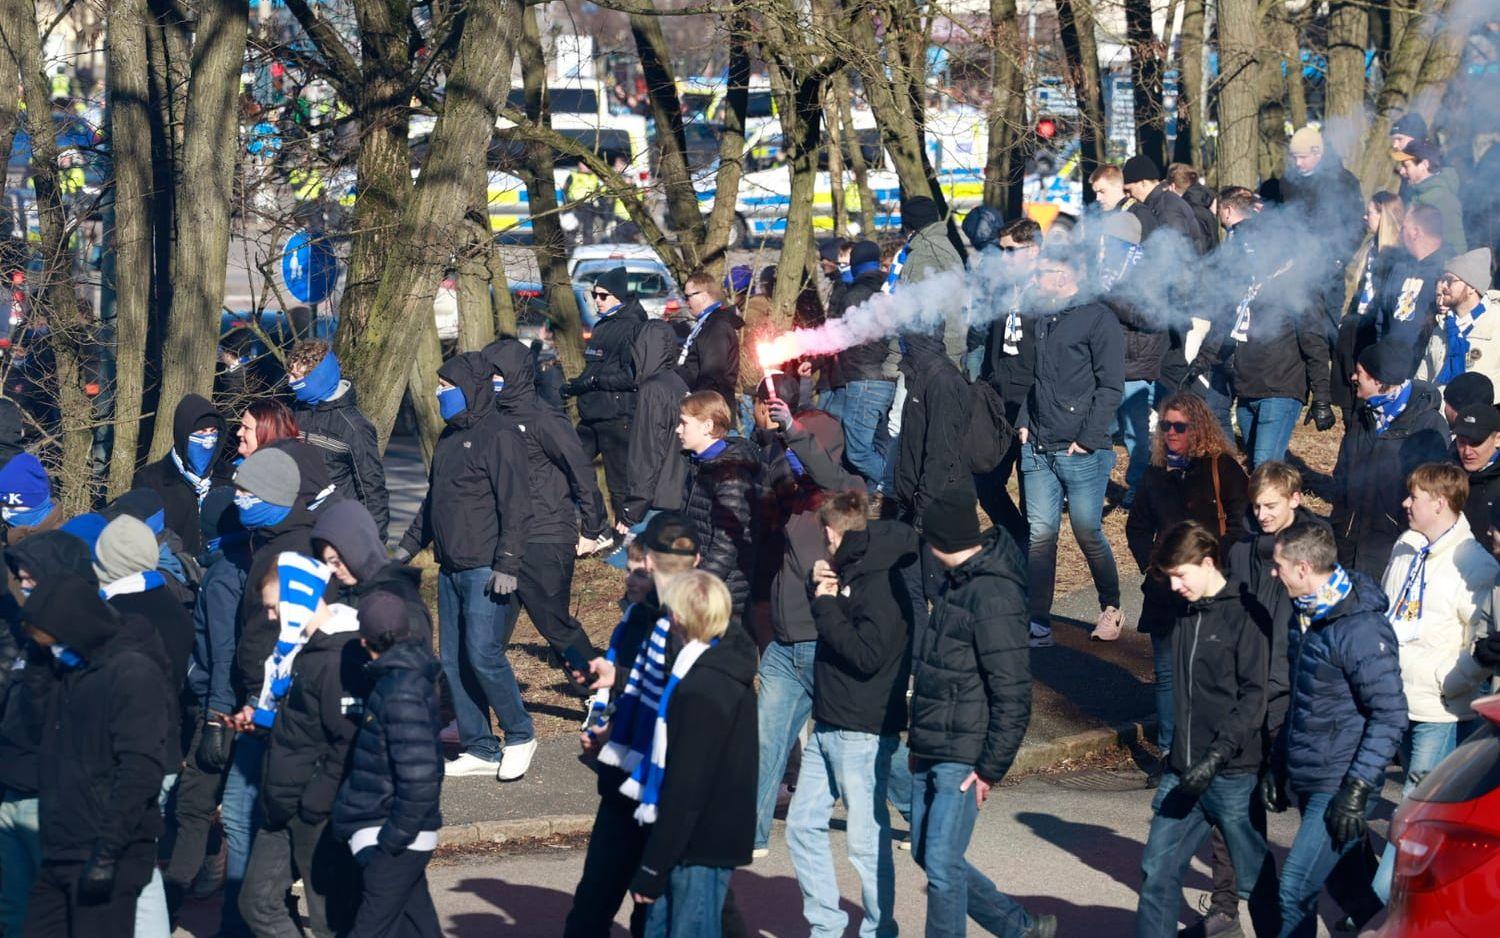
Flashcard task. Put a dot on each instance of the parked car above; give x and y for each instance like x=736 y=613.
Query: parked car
x=649 y=278
x=1447 y=836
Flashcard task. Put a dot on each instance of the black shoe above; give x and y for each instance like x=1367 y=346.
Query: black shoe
x=1214 y=925
x=1042 y=926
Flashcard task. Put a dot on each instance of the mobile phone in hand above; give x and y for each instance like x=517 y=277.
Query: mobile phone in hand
x=576 y=662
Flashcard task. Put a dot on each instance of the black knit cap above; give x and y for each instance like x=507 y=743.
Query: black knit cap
x=1140 y=168
x=1468 y=389
x=918 y=212
x=616 y=281
x=381 y=613
x=864 y=252
x=1387 y=362
x=951 y=521
x=666 y=528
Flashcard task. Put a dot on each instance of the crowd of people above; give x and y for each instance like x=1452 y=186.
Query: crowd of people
x=801 y=546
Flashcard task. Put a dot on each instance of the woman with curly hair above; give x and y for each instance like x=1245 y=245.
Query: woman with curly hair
x=1193 y=476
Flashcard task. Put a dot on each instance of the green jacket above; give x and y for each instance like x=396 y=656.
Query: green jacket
x=1441 y=192
x=930 y=254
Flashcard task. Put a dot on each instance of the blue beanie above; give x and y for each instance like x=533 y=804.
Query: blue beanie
x=86 y=528
x=739 y=279
x=23 y=483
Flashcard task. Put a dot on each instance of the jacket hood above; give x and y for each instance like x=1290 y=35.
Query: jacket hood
x=405 y=656
x=470 y=372
x=344 y=395
x=655 y=349
x=998 y=557
x=516 y=363
x=982 y=227
x=919 y=345
x=1198 y=195
x=69 y=609
x=315 y=480
x=12 y=429
x=881 y=546
x=391 y=578
x=195 y=412
x=1235 y=586
x=347 y=525
x=737 y=449
x=52 y=554
x=734 y=656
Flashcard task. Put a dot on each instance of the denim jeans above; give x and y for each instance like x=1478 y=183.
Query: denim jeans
x=239 y=813
x=20 y=859
x=1166 y=713
x=942 y=821
x=1179 y=826
x=474 y=628
x=864 y=408
x=853 y=766
x=1312 y=857
x=1215 y=391
x=1423 y=746
x=151 y=917
x=1133 y=419
x=831 y=402
x=1082 y=479
x=1267 y=425
x=784 y=704
x=692 y=905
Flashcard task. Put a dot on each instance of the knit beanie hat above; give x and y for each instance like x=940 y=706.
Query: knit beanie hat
x=1388 y=362
x=1307 y=142
x=271 y=476
x=864 y=252
x=1123 y=225
x=1141 y=168
x=951 y=521
x=615 y=281
x=918 y=212
x=86 y=527
x=1468 y=389
x=381 y=613
x=1472 y=268
x=126 y=547
x=23 y=482
x=1411 y=125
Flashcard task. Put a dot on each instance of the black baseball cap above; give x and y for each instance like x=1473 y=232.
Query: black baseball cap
x=664 y=532
x=1477 y=422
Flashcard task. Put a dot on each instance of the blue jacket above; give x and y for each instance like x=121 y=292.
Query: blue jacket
x=216 y=631
x=1348 y=710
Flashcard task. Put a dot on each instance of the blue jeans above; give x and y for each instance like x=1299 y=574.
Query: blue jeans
x=1423 y=746
x=1133 y=419
x=1267 y=425
x=831 y=402
x=865 y=405
x=20 y=859
x=1082 y=479
x=239 y=813
x=785 y=702
x=151 y=916
x=853 y=766
x=692 y=904
x=1179 y=826
x=1166 y=713
x=942 y=821
x=474 y=628
x=1312 y=857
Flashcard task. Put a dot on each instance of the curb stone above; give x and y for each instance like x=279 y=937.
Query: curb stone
x=1029 y=759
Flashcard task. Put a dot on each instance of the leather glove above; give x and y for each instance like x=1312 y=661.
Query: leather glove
x=1272 y=791
x=97 y=882
x=1196 y=779
x=1345 y=816
x=213 y=747
x=401 y=555
x=1190 y=380
x=1320 y=415
x=577 y=386
x=1487 y=651
x=501 y=584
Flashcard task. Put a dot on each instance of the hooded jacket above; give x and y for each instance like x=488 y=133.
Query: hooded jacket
x=102 y=759
x=719 y=499
x=1080 y=378
x=707 y=804
x=563 y=485
x=930 y=253
x=177 y=494
x=711 y=359
x=864 y=633
x=351 y=449
x=1200 y=199
x=1440 y=191
x=873 y=361
x=656 y=466
x=477 y=511
x=1369 y=479
x=934 y=421
x=971 y=665
x=1167 y=209
x=1347 y=710
x=348 y=527
x=606 y=386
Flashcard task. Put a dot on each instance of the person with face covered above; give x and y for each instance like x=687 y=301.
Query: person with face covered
x=26 y=504
x=477 y=514
x=657 y=468
x=200 y=458
x=329 y=418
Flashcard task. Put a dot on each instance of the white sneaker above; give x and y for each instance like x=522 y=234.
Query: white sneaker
x=449 y=733
x=515 y=760
x=760 y=853
x=1041 y=636
x=470 y=764
x=1107 y=628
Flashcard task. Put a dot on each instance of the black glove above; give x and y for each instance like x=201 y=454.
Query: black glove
x=1487 y=650
x=1345 y=816
x=1190 y=380
x=1272 y=791
x=213 y=747
x=97 y=882
x=1196 y=779
x=1320 y=415
x=577 y=386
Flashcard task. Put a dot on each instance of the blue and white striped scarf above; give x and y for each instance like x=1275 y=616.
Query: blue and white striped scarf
x=1385 y=408
x=644 y=784
x=135 y=583
x=635 y=712
x=1316 y=605
x=599 y=703
x=895 y=274
x=200 y=484
x=302 y=581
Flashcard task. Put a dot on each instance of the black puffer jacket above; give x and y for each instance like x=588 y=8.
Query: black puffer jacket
x=1080 y=378
x=477 y=511
x=864 y=633
x=657 y=467
x=606 y=388
x=350 y=447
x=563 y=487
x=872 y=361
x=395 y=778
x=314 y=729
x=1484 y=491
x=719 y=498
x=162 y=476
x=971 y=666
x=934 y=421
x=1369 y=479
x=711 y=359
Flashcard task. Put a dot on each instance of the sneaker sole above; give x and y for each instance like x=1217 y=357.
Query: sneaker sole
x=470 y=773
x=1043 y=642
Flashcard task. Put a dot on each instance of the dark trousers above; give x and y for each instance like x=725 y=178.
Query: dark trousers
x=54 y=910
x=615 y=847
x=328 y=881
x=610 y=439
x=995 y=498
x=924 y=581
x=394 y=902
x=196 y=798
x=545 y=587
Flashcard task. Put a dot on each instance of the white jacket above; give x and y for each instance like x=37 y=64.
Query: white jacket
x=1438 y=672
x=1484 y=338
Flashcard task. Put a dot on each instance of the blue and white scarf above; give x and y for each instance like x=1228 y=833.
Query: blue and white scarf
x=200 y=484
x=644 y=784
x=635 y=712
x=1316 y=605
x=135 y=583
x=599 y=703
x=1387 y=407
x=1180 y=462
x=1456 y=338
x=302 y=581
x=687 y=344
x=892 y=278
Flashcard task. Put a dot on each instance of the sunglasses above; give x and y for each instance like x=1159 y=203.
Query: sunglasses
x=1176 y=426
x=601 y=295
x=689 y=296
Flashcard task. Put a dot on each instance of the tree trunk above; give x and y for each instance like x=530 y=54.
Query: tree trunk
x=866 y=212
x=207 y=184
x=1190 y=118
x=731 y=144
x=476 y=312
x=888 y=91
x=837 y=146
x=1146 y=80
x=1005 y=161
x=1344 y=118
x=1239 y=117
x=421 y=387
x=1075 y=19
x=666 y=109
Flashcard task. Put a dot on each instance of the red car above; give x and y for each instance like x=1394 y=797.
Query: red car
x=1447 y=881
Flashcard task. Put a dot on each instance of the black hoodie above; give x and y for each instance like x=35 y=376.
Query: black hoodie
x=657 y=468
x=348 y=527
x=563 y=485
x=477 y=511
x=177 y=494
x=934 y=421
x=864 y=633
x=350 y=448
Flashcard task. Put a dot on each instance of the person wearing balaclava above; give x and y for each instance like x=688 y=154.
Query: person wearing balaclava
x=145 y=505
x=26 y=504
x=200 y=458
x=329 y=418
x=927 y=253
x=477 y=515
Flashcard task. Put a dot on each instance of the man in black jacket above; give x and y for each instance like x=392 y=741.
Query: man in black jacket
x=606 y=387
x=329 y=418
x=1406 y=304
x=478 y=516
x=1161 y=208
x=869 y=373
x=864 y=621
x=1145 y=342
x=970 y=704
x=101 y=765
x=658 y=469
x=1221 y=650
x=710 y=356
x=1327 y=198
x=1476 y=440
x=200 y=458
